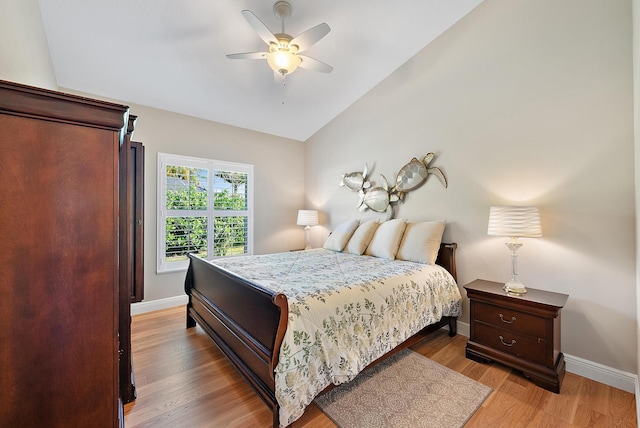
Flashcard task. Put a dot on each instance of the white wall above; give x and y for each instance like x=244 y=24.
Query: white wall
x=524 y=102
x=278 y=173
x=24 y=52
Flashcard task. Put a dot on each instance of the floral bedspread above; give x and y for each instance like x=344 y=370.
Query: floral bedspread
x=345 y=311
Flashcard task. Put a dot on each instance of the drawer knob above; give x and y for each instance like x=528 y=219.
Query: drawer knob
x=513 y=342
x=504 y=320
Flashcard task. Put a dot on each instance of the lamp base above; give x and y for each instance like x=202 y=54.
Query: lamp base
x=515 y=288
x=306 y=235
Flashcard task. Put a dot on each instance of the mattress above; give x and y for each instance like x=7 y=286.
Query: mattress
x=345 y=311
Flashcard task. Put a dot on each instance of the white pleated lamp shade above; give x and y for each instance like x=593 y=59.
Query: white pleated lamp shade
x=307 y=218
x=515 y=222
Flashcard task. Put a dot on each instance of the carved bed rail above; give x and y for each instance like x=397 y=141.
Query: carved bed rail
x=245 y=320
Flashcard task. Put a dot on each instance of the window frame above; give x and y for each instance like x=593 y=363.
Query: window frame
x=211 y=165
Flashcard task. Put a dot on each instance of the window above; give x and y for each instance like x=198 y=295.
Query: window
x=204 y=207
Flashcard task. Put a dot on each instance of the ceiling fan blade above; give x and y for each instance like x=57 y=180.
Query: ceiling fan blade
x=315 y=65
x=262 y=30
x=248 y=55
x=311 y=36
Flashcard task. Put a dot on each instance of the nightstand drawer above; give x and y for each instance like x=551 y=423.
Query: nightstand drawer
x=526 y=347
x=510 y=319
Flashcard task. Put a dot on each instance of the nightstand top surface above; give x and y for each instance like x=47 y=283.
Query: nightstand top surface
x=549 y=298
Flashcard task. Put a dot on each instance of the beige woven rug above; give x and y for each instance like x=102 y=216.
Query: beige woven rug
x=406 y=390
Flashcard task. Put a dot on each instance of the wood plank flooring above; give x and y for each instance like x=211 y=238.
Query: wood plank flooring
x=183 y=380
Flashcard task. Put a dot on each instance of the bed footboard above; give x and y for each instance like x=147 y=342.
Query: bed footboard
x=219 y=302
x=248 y=322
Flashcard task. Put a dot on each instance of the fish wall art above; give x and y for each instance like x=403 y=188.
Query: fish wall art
x=382 y=198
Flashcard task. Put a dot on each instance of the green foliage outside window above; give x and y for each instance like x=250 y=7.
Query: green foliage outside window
x=186 y=235
x=189 y=234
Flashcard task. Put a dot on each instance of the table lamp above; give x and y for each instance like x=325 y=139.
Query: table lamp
x=514 y=222
x=307 y=218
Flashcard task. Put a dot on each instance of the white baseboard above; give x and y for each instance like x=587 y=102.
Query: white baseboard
x=603 y=374
x=463 y=329
x=156 y=305
x=609 y=376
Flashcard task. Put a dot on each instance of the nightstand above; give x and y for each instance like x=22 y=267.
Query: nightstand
x=522 y=332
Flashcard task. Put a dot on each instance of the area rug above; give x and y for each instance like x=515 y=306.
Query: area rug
x=406 y=390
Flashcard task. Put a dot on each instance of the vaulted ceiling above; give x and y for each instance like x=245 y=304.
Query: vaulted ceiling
x=170 y=54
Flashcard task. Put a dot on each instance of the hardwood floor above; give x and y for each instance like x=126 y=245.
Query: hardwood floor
x=183 y=380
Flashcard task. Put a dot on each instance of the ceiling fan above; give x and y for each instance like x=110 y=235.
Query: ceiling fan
x=283 y=56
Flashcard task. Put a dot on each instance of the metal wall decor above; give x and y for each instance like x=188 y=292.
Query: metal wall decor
x=380 y=198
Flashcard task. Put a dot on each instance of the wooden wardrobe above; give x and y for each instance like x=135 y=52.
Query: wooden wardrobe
x=64 y=322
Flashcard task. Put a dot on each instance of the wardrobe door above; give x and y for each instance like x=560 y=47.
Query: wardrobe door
x=131 y=255
x=137 y=180
x=59 y=259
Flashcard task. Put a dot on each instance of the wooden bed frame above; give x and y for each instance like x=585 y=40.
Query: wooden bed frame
x=219 y=302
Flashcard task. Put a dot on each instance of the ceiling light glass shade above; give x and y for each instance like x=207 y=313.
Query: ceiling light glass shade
x=282 y=58
x=514 y=222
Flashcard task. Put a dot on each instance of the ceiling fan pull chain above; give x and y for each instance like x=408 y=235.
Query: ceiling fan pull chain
x=284 y=87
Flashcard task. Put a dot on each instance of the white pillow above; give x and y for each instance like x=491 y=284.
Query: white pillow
x=361 y=237
x=341 y=234
x=387 y=238
x=421 y=242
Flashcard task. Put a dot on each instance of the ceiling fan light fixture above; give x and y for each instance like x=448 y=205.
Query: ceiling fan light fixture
x=282 y=60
